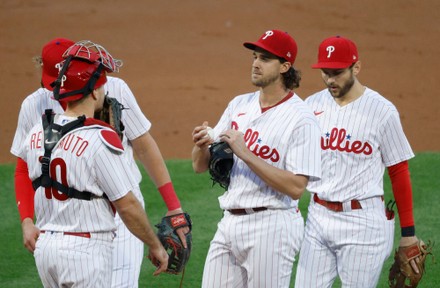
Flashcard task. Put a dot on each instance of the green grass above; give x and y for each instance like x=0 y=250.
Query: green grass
x=199 y=198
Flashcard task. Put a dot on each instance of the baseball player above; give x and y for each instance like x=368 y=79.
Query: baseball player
x=349 y=233
x=80 y=177
x=128 y=252
x=275 y=140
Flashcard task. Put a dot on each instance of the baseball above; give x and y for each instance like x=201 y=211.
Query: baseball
x=209 y=133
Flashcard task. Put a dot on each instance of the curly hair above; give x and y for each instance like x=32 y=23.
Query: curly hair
x=292 y=77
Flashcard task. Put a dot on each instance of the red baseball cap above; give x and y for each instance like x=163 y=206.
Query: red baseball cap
x=278 y=43
x=336 y=53
x=51 y=55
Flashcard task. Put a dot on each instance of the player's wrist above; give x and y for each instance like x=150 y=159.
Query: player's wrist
x=408 y=231
x=27 y=222
x=169 y=196
x=174 y=212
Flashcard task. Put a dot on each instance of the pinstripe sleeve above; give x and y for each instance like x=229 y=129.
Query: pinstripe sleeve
x=113 y=174
x=25 y=123
x=304 y=157
x=225 y=121
x=134 y=120
x=394 y=144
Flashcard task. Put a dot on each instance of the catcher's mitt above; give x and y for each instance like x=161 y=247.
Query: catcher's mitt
x=401 y=273
x=178 y=255
x=111 y=113
x=220 y=163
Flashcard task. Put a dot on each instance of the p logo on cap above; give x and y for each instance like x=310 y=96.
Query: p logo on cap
x=336 y=53
x=51 y=55
x=278 y=43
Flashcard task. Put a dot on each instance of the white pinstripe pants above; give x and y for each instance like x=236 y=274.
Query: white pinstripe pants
x=254 y=250
x=72 y=261
x=352 y=245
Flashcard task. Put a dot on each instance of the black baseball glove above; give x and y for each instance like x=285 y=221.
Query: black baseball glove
x=178 y=255
x=220 y=163
x=111 y=113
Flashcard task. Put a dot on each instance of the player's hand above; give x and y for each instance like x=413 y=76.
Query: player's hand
x=180 y=231
x=235 y=139
x=159 y=258
x=199 y=136
x=407 y=241
x=30 y=234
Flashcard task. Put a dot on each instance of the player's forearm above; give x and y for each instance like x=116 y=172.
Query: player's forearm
x=200 y=159
x=402 y=191
x=136 y=220
x=149 y=154
x=24 y=192
x=283 y=181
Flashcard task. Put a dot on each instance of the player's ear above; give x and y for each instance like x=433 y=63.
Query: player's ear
x=356 y=68
x=94 y=94
x=285 y=67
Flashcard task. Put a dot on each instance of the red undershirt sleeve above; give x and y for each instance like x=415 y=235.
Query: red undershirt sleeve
x=24 y=192
x=169 y=196
x=402 y=191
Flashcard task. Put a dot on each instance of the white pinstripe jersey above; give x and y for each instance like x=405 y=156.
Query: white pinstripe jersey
x=358 y=141
x=135 y=122
x=82 y=161
x=285 y=136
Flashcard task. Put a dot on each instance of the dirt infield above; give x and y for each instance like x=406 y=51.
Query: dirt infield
x=184 y=60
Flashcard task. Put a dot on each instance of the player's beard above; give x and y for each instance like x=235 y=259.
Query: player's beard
x=264 y=81
x=342 y=91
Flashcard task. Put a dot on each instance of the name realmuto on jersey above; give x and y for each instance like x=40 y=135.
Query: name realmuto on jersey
x=72 y=143
x=264 y=151
x=337 y=140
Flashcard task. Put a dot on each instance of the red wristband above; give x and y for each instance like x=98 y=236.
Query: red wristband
x=169 y=196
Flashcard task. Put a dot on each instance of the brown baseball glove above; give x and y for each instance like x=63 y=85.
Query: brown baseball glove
x=401 y=273
x=111 y=113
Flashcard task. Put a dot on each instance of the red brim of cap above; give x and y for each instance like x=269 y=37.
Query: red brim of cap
x=47 y=80
x=331 y=65
x=252 y=45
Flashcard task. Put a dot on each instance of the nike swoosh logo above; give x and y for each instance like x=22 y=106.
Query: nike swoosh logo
x=241 y=114
x=49 y=142
x=318 y=113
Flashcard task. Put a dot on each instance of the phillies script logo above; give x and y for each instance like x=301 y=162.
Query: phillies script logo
x=339 y=140
x=264 y=151
x=253 y=137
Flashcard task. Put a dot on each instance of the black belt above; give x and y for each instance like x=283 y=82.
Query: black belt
x=246 y=211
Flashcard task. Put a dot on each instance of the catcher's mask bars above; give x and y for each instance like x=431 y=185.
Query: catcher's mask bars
x=83 y=70
x=92 y=52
